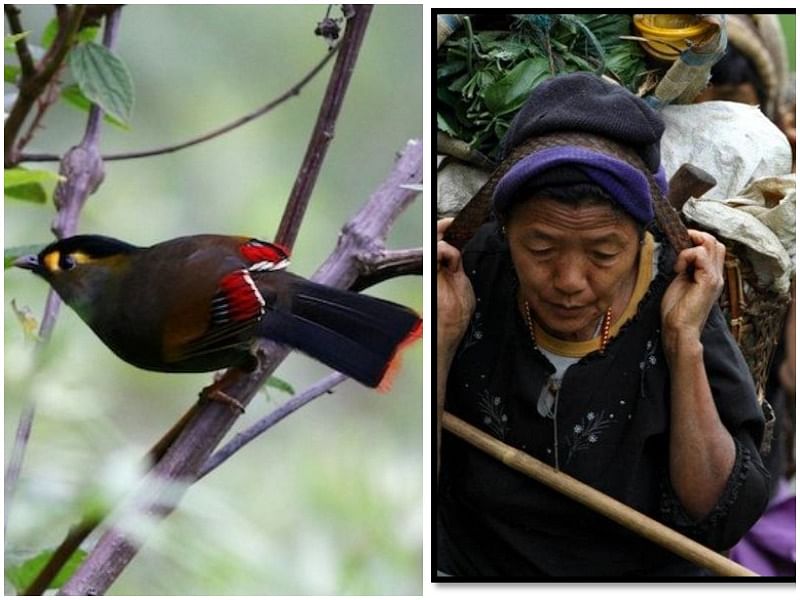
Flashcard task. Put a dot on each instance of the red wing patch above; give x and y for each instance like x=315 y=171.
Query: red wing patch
x=264 y=256
x=237 y=300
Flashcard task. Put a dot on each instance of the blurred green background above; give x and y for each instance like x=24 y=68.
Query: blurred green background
x=789 y=24
x=330 y=500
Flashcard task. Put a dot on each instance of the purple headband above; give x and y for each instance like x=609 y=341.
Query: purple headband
x=627 y=185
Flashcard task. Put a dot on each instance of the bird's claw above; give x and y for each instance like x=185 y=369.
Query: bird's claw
x=215 y=394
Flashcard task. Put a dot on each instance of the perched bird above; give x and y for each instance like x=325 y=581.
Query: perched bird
x=198 y=303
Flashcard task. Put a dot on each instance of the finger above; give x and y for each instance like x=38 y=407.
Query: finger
x=714 y=247
x=448 y=257
x=441 y=227
x=706 y=265
x=702 y=238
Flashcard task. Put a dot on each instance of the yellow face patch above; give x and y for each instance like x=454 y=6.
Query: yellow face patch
x=52 y=260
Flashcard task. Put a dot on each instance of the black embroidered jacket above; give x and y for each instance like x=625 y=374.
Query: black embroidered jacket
x=610 y=431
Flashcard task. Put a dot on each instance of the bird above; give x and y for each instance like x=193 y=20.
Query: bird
x=200 y=303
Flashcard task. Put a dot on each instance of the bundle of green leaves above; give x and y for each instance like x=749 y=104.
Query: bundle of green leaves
x=486 y=70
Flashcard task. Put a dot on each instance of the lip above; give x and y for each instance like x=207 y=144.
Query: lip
x=566 y=311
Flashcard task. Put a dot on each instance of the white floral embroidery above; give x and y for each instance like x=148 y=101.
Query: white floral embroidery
x=587 y=432
x=494 y=417
x=474 y=335
x=649 y=356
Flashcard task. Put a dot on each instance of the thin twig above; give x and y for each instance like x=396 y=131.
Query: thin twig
x=292 y=91
x=32 y=87
x=191 y=450
x=23 y=51
x=324 y=386
x=17 y=456
x=324 y=128
x=83 y=172
x=49 y=97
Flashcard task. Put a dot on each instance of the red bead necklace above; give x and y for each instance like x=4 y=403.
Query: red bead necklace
x=605 y=328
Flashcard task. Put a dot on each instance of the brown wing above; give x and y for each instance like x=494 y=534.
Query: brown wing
x=224 y=306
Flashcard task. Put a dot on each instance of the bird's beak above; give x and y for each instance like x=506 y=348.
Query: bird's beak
x=30 y=262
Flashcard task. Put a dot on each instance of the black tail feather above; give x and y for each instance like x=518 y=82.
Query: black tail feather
x=355 y=334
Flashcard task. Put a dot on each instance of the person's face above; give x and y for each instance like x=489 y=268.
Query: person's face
x=744 y=93
x=573 y=262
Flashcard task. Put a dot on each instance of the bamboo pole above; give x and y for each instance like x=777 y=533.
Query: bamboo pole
x=588 y=496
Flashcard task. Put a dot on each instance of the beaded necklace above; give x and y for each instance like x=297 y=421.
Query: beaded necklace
x=605 y=328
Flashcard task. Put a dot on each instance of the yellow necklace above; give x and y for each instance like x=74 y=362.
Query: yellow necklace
x=605 y=328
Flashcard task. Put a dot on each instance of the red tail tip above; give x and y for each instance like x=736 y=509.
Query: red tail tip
x=393 y=366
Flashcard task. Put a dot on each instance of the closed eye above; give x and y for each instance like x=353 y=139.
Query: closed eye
x=540 y=252
x=604 y=256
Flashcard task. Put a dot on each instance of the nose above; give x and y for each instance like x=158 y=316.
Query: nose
x=569 y=277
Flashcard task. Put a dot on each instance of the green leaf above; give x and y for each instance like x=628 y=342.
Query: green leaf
x=280 y=384
x=29 y=192
x=448 y=69
x=103 y=78
x=443 y=125
x=508 y=93
x=15 y=252
x=10 y=40
x=20 y=175
x=74 y=97
x=87 y=34
x=10 y=73
x=27 y=184
x=22 y=574
x=49 y=32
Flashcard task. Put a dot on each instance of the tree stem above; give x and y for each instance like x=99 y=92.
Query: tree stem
x=324 y=129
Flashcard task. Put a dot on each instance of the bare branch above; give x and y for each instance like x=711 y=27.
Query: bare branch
x=324 y=386
x=324 y=129
x=32 y=87
x=49 y=97
x=84 y=172
x=390 y=264
x=291 y=92
x=17 y=456
x=23 y=51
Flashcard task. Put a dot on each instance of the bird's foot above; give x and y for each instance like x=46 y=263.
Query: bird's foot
x=214 y=392
x=220 y=396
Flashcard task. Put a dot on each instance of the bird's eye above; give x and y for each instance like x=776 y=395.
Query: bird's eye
x=66 y=262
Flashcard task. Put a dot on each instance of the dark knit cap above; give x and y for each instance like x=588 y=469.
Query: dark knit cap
x=586 y=102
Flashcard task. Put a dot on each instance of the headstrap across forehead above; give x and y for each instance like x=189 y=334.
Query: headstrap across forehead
x=477 y=210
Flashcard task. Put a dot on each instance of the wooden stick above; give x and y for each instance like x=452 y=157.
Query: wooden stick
x=588 y=496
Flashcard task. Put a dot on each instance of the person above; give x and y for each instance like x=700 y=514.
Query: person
x=569 y=329
x=754 y=70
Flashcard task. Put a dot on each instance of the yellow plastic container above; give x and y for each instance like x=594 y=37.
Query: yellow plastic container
x=668 y=35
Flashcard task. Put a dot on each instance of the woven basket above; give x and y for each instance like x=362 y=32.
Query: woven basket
x=756 y=318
